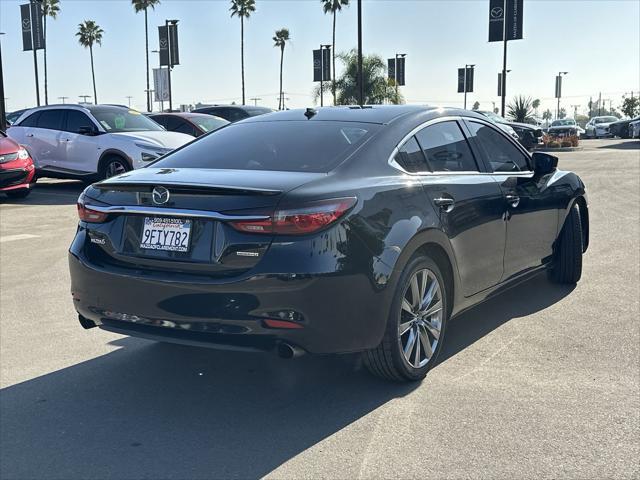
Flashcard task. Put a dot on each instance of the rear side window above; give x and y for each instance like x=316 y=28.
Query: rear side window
x=446 y=148
x=411 y=158
x=501 y=154
x=31 y=120
x=51 y=119
x=295 y=146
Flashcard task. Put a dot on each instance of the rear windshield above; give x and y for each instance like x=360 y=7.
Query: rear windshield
x=290 y=146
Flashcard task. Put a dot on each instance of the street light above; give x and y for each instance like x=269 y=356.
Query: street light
x=559 y=90
x=63 y=98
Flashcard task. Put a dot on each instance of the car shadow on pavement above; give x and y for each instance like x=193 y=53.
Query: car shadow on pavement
x=524 y=299
x=46 y=192
x=149 y=410
x=165 y=411
x=623 y=145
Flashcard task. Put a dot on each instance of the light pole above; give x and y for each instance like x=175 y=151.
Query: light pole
x=559 y=92
x=63 y=99
x=466 y=69
x=395 y=73
x=84 y=98
x=129 y=97
x=322 y=49
x=167 y=24
x=360 y=76
x=3 y=112
x=255 y=100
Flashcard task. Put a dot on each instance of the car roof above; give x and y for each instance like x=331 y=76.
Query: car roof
x=380 y=114
x=237 y=107
x=186 y=115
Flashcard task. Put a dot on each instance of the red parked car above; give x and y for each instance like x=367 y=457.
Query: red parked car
x=17 y=173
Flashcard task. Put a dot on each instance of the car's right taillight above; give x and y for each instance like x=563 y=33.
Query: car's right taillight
x=298 y=220
x=88 y=215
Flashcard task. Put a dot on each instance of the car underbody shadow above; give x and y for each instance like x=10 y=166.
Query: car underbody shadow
x=524 y=299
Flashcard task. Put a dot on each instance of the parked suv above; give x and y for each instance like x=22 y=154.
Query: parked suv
x=87 y=141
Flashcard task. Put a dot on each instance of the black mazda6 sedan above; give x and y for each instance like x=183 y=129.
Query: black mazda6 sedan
x=351 y=229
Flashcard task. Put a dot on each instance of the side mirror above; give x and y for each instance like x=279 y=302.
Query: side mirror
x=89 y=131
x=543 y=163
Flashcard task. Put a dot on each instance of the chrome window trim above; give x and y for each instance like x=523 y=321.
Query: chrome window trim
x=392 y=162
x=172 y=212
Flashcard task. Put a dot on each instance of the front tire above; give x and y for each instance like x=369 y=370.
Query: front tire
x=567 y=268
x=113 y=166
x=415 y=328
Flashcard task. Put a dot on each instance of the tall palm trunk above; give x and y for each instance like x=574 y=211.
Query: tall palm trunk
x=242 y=55
x=46 y=88
x=146 y=51
x=93 y=76
x=333 y=66
x=281 y=100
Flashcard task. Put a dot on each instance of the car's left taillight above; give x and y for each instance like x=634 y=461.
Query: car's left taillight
x=300 y=219
x=86 y=214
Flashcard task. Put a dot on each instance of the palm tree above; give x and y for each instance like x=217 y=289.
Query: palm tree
x=333 y=7
x=280 y=40
x=521 y=110
x=377 y=88
x=242 y=9
x=536 y=104
x=89 y=34
x=142 y=6
x=50 y=8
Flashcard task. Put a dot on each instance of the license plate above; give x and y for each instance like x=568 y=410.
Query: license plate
x=170 y=234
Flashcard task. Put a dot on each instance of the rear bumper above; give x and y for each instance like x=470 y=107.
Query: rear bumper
x=338 y=312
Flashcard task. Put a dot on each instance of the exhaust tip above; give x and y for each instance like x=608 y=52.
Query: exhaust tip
x=288 y=351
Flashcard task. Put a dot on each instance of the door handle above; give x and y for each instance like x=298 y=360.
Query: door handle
x=29 y=135
x=512 y=199
x=445 y=203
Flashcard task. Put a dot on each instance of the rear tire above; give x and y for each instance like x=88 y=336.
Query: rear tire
x=22 y=193
x=567 y=268
x=424 y=320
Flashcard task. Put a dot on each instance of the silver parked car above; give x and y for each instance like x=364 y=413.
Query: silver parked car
x=598 y=127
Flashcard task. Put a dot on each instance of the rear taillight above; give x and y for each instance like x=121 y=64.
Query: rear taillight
x=307 y=218
x=92 y=216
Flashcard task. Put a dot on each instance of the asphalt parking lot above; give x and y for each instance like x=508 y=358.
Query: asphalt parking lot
x=542 y=382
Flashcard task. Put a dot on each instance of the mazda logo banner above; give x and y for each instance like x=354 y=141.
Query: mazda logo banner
x=31 y=26
x=512 y=11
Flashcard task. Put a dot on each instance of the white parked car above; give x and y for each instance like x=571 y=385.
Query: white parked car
x=599 y=126
x=88 y=142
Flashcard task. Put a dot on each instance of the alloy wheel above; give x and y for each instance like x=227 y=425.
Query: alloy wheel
x=420 y=318
x=115 y=168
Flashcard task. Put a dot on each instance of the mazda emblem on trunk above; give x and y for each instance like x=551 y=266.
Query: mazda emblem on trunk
x=160 y=195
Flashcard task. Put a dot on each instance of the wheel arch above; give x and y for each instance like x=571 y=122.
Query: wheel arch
x=110 y=153
x=433 y=243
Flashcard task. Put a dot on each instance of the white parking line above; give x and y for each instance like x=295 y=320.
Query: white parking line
x=21 y=236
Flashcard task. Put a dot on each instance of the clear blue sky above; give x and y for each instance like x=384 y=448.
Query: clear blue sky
x=598 y=42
